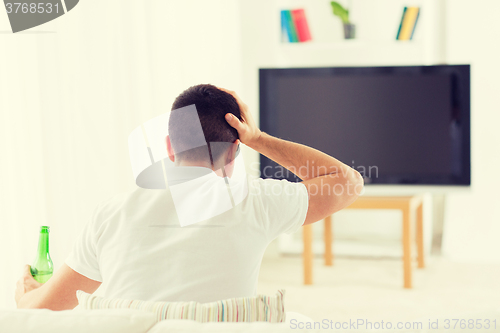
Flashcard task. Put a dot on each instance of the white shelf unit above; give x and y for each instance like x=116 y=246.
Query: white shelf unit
x=376 y=23
x=349 y=54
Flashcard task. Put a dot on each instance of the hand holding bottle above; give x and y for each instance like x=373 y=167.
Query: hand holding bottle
x=26 y=283
x=41 y=271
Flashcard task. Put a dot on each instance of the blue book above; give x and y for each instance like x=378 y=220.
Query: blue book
x=290 y=26
x=285 y=37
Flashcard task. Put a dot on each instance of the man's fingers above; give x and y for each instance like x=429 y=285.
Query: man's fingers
x=241 y=104
x=233 y=121
x=232 y=93
x=27 y=272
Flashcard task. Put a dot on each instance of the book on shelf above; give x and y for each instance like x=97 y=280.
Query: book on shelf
x=284 y=28
x=294 y=26
x=299 y=18
x=408 y=23
x=289 y=26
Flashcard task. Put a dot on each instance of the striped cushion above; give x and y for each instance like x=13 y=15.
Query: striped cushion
x=243 y=309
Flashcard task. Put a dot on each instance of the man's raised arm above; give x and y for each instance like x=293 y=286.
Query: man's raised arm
x=331 y=184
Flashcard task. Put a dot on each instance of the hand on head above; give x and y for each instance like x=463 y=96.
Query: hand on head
x=247 y=129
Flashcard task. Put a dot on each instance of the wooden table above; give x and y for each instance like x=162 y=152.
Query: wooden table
x=410 y=206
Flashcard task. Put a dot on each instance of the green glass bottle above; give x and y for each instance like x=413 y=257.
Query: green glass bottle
x=42 y=268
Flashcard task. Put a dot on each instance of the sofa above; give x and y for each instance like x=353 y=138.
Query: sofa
x=124 y=321
x=138 y=321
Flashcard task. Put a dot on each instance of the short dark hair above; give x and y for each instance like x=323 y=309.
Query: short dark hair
x=212 y=104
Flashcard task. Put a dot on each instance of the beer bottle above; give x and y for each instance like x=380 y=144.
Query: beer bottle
x=42 y=267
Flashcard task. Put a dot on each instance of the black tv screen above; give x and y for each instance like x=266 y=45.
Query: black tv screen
x=395 y=125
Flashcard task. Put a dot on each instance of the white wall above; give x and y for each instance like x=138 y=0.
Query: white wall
x=472 y=220
x=70 y=97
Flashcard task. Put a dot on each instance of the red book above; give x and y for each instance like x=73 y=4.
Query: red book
x=300 y=21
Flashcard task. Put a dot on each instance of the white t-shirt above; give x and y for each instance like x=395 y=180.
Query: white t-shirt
x=135 y=245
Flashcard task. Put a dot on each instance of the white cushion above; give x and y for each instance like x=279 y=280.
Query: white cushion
x=297 y=317
x=76 y=321
x=191 y=326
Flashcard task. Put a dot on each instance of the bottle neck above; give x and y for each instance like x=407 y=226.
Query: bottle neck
x=43 y=243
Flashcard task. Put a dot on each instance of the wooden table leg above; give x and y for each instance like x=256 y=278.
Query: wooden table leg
x=420 y=237
x=407 y=247
x=307 y=234
x=328 y=241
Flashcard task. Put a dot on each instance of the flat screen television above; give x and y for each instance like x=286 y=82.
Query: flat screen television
x=395 y=125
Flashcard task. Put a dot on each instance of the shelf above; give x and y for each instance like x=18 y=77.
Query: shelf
x=377 y=22
x=350 y=53
x=349 y=44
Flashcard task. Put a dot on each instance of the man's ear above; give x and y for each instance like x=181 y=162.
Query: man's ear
x=170 y=150
x=231 y=156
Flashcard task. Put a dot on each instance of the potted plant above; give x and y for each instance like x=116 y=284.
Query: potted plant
x=343 y=14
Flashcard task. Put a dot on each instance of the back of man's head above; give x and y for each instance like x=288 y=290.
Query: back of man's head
x=212 y=105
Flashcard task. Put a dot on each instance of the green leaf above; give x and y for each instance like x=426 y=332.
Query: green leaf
x=340 y=11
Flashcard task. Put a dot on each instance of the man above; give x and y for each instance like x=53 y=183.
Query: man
x=134 y=246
